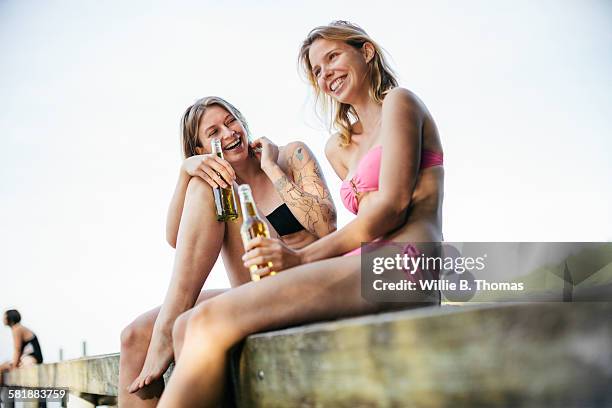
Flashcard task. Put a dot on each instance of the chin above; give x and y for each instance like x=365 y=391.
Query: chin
x=236 y=157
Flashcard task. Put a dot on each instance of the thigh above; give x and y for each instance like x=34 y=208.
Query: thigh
x=322 y=290
x=28 y=360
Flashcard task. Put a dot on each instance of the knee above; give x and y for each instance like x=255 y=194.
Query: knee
x=197 y=188
x=133 y=335
x=209 y=321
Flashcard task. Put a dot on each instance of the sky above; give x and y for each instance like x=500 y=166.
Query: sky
x=92 y=93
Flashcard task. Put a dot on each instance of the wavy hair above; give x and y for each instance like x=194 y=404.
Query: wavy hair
x=381 y=76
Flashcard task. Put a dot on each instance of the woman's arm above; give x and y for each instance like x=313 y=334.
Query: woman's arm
x=380 y=211
x=307 y=196
x=383 y=210
x=173 y=219
x=17 y=343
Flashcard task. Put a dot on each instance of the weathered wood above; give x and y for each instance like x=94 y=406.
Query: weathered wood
x=521 y=355
x=94 y=378
x=92 y=375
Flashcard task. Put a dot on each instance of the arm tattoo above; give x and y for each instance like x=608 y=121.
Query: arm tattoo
x=314 y=209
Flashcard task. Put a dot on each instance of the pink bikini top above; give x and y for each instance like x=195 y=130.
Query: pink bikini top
x=368 y=172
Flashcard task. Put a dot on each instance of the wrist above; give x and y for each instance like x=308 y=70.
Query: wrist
x=183 y=174
x=301 y=255
x=269 y=168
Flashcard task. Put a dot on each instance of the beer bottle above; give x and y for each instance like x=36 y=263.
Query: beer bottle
x=252 y=225
x=225 y=202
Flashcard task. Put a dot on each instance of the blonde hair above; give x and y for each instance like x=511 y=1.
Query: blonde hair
x=381 y=76
x=190 y=122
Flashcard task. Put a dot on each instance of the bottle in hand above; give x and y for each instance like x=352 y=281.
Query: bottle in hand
x=252 y=225
x=225 y=202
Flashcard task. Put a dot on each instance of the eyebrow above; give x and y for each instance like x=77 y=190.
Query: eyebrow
x=224 y=120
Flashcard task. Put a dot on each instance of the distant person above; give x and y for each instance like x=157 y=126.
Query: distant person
x=26 y=349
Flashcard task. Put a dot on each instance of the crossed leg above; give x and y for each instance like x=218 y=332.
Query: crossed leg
x=135 y=339
x=318 y=291
x=147 y=343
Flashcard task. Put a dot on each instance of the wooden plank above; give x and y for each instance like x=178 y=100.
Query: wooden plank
x=519 y=355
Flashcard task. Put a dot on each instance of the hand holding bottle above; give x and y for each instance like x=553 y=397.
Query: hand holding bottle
x=214 y=170
x=272 y=252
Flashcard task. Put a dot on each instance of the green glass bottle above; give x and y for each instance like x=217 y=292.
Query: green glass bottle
x=225 y=202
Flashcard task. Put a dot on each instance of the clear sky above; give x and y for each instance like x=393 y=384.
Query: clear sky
x=92 y=93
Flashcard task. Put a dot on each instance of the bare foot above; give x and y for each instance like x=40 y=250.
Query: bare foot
x=159 y=357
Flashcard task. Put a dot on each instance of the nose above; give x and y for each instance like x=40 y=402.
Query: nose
x=326 y=72
x=227 y=133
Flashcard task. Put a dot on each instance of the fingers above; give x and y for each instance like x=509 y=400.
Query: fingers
x=262 y=251
x=219 y=171
x=226 y=167
x=216 y=178
x=256 y=242
x=258 y=144
x=263 y=272
x=258 y=256
x=202 y=174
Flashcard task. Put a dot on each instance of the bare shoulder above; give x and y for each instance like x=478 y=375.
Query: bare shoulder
x=335 y=155
x=294 y=156
x=297 y=150
x=17 y=331
x=404 y=100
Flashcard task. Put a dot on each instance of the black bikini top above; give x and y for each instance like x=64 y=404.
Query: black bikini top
x=283 y=220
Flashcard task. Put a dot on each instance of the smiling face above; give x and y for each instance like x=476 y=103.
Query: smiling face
x=340 y=70
x=216 y=122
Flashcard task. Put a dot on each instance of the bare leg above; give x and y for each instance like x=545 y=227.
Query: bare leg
x=28 y=361
x=317 y=291
x=199 y=242
x=135 y=340
x=4 y=367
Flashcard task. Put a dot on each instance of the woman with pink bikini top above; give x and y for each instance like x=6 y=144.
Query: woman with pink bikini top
x=388 y=151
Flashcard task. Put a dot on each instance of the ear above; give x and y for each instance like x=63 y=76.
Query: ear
x=368 y=51
x=199 y=150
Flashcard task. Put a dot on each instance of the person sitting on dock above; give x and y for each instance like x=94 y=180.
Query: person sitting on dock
x=26 y=350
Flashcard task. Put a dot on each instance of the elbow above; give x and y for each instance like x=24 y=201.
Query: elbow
x=171 y=239
x=389 y=215
x=329 y=223
x=395 y=208
x=326 y=230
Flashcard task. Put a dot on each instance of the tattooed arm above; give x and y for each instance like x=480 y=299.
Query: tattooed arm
x=305 y=192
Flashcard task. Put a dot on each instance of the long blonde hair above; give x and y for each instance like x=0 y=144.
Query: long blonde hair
x=381 y=76
x=190 y=122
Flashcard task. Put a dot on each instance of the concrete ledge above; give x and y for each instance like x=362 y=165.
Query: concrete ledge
x=519 y=355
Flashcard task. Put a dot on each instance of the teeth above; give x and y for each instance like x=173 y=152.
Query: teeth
x=234 y=144
x=337 y=82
